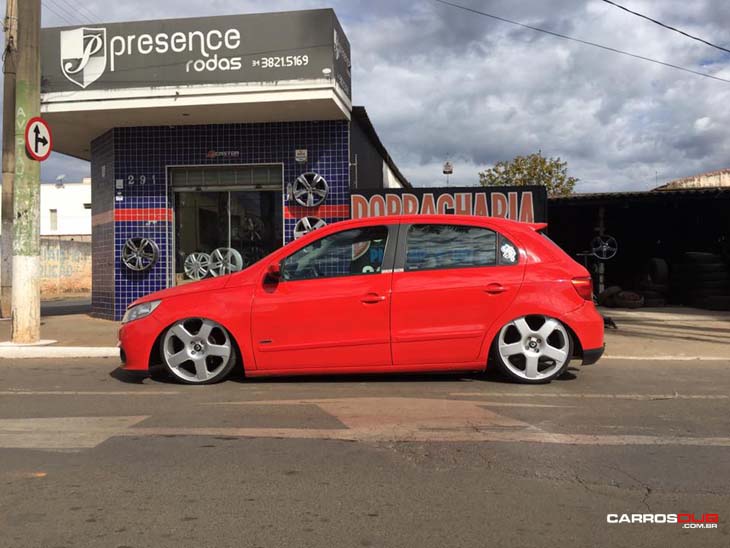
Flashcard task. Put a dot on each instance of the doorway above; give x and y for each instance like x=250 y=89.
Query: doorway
x=226 y=218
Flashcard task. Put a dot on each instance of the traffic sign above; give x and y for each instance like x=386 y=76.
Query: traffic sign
x=38 y=140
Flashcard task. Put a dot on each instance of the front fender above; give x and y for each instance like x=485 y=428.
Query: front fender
x=230 y=307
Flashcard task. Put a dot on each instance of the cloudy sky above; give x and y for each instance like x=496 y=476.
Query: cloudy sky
x=439 y=82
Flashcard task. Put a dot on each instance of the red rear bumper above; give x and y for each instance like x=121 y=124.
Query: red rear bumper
x=587 y=324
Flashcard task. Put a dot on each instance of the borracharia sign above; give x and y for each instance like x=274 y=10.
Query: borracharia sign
x=525 y=203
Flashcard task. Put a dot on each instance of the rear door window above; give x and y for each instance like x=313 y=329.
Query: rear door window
x=441 y=246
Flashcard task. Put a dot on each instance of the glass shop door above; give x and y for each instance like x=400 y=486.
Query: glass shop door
x=226 y=218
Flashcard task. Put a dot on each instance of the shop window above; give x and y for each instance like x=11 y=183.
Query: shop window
x=347 y=253
x=217 y=208
x=450 y=246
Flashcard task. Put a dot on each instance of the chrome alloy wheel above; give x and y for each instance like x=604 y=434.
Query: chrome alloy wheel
x=305 y=225
x=224 y=260
x=534 y=348
x=198 y=351
x=140 y=254
x=310 y=189
x=196 y=265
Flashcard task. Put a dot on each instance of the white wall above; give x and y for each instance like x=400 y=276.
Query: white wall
x=68 y=200
x=389 y=178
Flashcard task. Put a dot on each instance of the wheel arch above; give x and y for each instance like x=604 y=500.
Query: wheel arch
x=490 y=340
x=155 y=357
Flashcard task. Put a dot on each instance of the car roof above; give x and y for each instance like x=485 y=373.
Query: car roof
x=494 y=222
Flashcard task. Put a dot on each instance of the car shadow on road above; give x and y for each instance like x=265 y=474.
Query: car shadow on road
x=159 y=375
x=128 y=377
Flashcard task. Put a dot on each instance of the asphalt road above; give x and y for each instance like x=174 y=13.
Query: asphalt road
x=89 y=457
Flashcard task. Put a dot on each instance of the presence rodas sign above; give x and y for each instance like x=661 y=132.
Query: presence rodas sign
x=525 y=203
x=261 y=48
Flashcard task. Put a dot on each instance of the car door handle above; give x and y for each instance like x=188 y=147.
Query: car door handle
x=494 y=289
x=373 y=298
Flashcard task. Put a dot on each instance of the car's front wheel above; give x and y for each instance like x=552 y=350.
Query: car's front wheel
x=533 y=349
x=198 y=351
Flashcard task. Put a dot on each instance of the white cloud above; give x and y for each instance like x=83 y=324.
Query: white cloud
x=439 y=82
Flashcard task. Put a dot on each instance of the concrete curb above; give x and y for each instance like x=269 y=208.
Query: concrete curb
x=44 y=352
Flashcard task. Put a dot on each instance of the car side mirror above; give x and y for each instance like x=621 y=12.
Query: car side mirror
x=273 y=272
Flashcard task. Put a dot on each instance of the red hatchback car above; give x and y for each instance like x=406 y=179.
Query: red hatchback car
x=382 y=294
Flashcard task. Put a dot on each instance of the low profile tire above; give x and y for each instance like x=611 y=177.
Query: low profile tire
x=533 y=349
x=198 y=351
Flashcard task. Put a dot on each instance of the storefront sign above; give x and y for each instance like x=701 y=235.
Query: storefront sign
x=260 y=48
x=214 y=154
x=526 y=204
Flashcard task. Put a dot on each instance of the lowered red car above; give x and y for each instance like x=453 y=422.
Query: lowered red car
x=375 y=295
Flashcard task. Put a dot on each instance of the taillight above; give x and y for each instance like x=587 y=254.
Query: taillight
x=584 y=287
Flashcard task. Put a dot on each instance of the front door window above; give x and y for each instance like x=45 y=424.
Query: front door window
x=347 y=253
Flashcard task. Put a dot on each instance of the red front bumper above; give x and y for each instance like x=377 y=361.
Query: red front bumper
x=135 y=343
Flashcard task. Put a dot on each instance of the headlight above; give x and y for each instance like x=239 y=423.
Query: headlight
x=140 y=311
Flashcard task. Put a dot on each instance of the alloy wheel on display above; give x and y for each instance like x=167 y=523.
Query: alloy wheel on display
x=197 y=351
x=305 y=225
x=310 y=189
x=534 y=348
x=225 y=260
x=251 y=229
x=604 y=247
x=196 y=265
x=140 y=254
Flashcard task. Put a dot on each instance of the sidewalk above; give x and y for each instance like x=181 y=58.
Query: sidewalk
x=76 y=335
x=72 y=330
x=645 y=333
x=676 y=332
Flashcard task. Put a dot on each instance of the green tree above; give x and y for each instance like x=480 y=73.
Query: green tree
x=533 y=169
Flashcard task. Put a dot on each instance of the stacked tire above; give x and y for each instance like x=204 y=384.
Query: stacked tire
x=702 y=280
x=654 y=283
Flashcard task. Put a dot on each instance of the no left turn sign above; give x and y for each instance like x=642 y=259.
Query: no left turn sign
x=38 y=140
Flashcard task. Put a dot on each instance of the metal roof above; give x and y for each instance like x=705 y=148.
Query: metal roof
x=644 y=196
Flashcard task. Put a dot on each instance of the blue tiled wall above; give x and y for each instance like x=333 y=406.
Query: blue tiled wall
x=149 y=151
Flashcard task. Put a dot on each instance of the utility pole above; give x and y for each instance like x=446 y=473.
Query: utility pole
x=26 y=302
x=6 y=242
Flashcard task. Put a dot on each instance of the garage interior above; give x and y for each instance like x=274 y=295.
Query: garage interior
x=673 y=246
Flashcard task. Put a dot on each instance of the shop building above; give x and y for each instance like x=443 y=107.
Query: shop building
x=212 y=141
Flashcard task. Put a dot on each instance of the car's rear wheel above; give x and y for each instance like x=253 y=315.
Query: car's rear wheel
x=198 y=351
x=533 y=349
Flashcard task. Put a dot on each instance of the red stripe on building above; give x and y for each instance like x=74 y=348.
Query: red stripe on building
x=323 y=211
x=143 y=214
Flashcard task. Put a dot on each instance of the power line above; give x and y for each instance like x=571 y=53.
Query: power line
x=688 y=35
x=70 y=11
x=585 y=42
x=90 y=14
x=58 y=14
